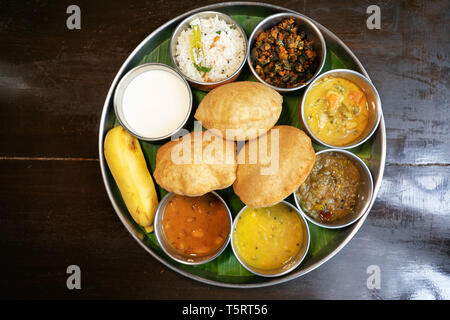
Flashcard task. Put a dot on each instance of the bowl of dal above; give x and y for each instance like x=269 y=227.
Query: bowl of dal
x=270 y=241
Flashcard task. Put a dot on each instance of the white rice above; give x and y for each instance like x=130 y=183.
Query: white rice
x=224 y=57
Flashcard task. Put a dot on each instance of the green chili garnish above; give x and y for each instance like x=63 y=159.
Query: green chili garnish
x=197 y=53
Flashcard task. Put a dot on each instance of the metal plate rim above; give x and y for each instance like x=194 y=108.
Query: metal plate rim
x=103 y=166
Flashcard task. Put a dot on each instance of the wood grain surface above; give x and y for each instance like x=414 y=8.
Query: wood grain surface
x=54 y=210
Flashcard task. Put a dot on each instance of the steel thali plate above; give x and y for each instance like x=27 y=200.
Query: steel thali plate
x=376 y=161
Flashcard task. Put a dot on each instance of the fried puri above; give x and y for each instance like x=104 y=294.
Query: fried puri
x=243 y=109
x=268 y=171
x=196 y=164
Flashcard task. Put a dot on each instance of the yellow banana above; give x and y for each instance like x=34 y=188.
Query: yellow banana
x=129 y=169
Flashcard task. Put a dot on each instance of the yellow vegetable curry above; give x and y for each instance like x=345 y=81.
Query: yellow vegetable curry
x=336 y=111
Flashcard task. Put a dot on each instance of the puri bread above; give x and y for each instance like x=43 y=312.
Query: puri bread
x=197 y=163
x=260 y=182
x=247 y=108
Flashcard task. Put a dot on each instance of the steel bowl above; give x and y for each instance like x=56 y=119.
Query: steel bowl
x=207 y=86
x=312 y=31
x=174 y=254
x=365 y=194
x=282 y=270
x=373 y=101
x=125 y=81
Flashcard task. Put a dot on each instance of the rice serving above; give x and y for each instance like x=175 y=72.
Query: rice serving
x=210 y=50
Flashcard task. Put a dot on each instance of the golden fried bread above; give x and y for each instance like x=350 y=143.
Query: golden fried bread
x=197 y=163
x=272 y=175
x=247 y=109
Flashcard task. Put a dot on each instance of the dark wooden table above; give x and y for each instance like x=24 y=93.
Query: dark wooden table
x=54 y=211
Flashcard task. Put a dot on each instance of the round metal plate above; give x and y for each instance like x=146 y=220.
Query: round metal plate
x=376 y=163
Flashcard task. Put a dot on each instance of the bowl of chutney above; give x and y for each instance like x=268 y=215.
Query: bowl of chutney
x=193 y=230
x=337 y=191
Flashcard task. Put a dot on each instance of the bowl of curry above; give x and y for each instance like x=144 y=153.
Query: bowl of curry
x=193 y=230
x=338 y=190
x=340 y=109
x=287 y=51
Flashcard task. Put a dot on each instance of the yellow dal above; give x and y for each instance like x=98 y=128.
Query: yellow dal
x=268 y=238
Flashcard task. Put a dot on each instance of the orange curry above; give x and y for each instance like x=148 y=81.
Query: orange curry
x=196 y=225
